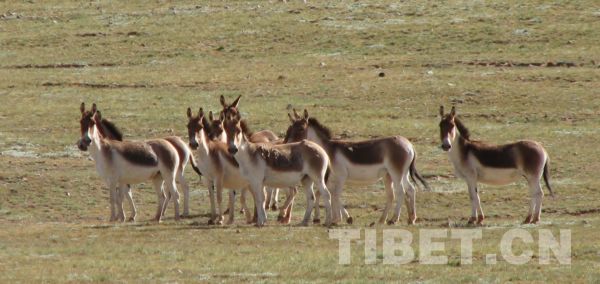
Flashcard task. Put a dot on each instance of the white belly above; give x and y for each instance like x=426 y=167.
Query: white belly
x=132 y=174
x=365 y=174
x=497 y=176
x=282 y=178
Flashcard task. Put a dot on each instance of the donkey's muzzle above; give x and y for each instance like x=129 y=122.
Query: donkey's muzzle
x=232 y=150
x=446 y=147
x=82 y=146
x=194 y=145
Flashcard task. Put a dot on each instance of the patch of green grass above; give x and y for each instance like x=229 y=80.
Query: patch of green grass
x=147 y=62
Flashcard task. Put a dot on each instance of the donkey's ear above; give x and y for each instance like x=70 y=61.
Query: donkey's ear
x=94 y=109
x=200 y=113
x=236 y=102
x=442 y=111
x=291 y=118
x=210 y=115
x=222 y=100
x=453 y=111
x=221 y=117
x=189 y=112
x=82 y=108
x=305 y=114
x=296 y=115
x=98 y=115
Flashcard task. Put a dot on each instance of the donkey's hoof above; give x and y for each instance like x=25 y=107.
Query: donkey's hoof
x=226 y=211
x=535 y=220
x=131 y=219
x=391 y=222
x=211 y=222
x=280 y=218
x=274 y=207
x=241 y=211
x=527 y=220
x=411 y=221
x=350 y=220
x=316 y=221
x=472 y=220
x=480 y=219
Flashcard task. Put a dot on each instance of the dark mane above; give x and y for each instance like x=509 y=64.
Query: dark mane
x=462 y=129
x=111 y=130
x=245 y=128
x=322 y=130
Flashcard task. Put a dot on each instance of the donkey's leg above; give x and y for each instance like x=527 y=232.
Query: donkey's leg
x=126 y=192
x=317 y=208
x=475 y=202
x=399 y=190
x=172 y=188
x=336 y=199
x=480 y=215
x=285 y=216
x=326 y=200
x=112 y=199
x=158 y=182
x=245 y=209
x=275 y=199
x=186 y=193
x=213 y=207
x=410 y=200
x=119 y=204
x=231 y=207
x=310 y=199
x=537 y=194
x=387 y=182
x=268 y=198
x=167 y=200
x=259 y=201
x=219 y=187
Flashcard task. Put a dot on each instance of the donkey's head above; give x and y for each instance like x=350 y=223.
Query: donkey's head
x=234 y=133
x=194 y=126
x=89 y=118
x=215 y=126
x=447 y=128
x=230 y=111
x=298 y=130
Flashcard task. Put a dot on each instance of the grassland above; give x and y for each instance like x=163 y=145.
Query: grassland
x=145 y=63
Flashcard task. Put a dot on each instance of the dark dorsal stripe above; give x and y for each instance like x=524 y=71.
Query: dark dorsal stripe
x=138 y=153
x=501 y=156
x=362 y=152
x=280 y=159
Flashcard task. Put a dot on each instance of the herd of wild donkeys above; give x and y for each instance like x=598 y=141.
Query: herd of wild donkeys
x=228 y=155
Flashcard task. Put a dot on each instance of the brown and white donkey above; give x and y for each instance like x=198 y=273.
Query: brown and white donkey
x=283 y=165
x=476 y=161
x=120 y=163
x=364 y=162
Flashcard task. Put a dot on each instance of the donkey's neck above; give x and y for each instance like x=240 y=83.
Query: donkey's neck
x=96 y=149
x=312 y=135
x=203 y=146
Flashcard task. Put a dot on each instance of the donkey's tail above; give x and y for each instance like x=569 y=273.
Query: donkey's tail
x=414 y=174
x=546 y=178
x=194 y=165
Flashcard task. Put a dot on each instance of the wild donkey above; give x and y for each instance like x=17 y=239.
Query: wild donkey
x=475 y=161
x=129 y=162
x=392 y=158
x=263 y=136
x=218 y=166
x=214 y=129
x=113 y=133
x=283 y=165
